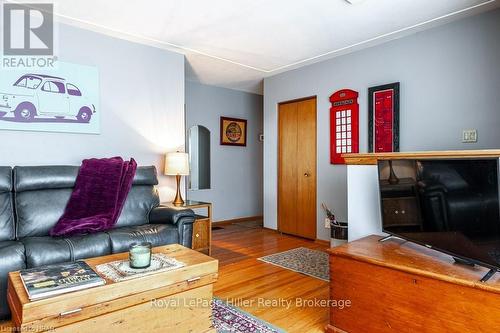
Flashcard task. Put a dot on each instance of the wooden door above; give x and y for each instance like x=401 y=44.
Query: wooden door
x=287 y=179
x=297 y=168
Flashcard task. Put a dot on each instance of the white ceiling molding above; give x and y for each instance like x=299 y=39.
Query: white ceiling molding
x=390 y=35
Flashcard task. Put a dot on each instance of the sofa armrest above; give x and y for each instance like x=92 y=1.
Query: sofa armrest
x=168 y=215
x=182 y=218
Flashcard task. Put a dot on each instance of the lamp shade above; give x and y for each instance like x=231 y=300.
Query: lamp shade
x=177 y=164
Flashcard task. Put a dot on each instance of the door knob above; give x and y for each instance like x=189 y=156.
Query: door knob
x=307 y=174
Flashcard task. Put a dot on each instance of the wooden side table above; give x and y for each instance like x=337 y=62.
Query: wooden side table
x=202 y=227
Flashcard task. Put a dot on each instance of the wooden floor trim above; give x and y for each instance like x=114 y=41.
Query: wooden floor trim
x=322 y=242
x=272 y=230
x=238 y=220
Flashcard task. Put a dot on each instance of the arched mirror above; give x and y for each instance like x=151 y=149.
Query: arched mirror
x=199 y=158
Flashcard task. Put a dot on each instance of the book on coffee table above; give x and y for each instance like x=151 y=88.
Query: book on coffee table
x=52 y=280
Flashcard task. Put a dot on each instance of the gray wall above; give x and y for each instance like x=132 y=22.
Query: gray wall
x=237 y=177
x=141 y=106
x=450 y=81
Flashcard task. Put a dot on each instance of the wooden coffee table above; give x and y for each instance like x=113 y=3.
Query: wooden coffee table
x=174 y=301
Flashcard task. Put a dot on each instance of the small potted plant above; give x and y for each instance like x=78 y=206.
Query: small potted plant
x=338 y=230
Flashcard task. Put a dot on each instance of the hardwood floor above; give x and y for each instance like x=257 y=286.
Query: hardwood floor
x=243 y=278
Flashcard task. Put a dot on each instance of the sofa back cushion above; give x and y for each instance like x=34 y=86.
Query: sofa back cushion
x=7 y=231
x=42 y=192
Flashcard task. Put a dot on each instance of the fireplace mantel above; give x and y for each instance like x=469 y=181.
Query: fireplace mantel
x=371 y=158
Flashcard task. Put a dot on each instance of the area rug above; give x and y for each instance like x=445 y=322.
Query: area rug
x=302 y=260
x=227 y=318
x=120 y=270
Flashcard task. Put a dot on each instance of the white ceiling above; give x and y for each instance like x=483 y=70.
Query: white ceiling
x=236 y=43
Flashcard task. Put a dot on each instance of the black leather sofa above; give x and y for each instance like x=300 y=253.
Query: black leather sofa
x=33 y=198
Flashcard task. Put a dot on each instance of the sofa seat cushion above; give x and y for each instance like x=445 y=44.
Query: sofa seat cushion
x=52 y=250
x=156 y=234
x=11 y=259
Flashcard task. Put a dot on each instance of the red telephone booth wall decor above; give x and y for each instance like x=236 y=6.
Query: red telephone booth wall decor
x=344 y=125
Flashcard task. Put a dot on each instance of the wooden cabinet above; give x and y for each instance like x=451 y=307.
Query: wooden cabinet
x=400 y=205
x=400 y=211
x=202 y=227
x=201 y=234
x=399 y=286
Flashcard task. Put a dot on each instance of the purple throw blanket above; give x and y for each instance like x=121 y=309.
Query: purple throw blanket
x=98 y=197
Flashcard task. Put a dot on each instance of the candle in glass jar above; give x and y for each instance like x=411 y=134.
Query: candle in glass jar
x=140 y=255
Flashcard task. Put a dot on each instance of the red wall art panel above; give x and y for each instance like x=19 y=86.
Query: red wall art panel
x=383 y=122
x=344 y=125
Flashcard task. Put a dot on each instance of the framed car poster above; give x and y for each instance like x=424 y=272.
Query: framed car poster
x=63 y=99
x=383 y=118
x=233 y=131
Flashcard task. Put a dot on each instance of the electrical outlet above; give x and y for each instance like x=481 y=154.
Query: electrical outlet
x=327 y=223
x=469 y=136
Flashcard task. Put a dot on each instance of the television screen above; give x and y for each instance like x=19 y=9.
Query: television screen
x=449 y=205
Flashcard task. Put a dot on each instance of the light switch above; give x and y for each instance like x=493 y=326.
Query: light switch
x=469 y=136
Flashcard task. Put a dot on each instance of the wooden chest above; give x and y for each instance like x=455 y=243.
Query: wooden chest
x=174 y=301
x=398 y=286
